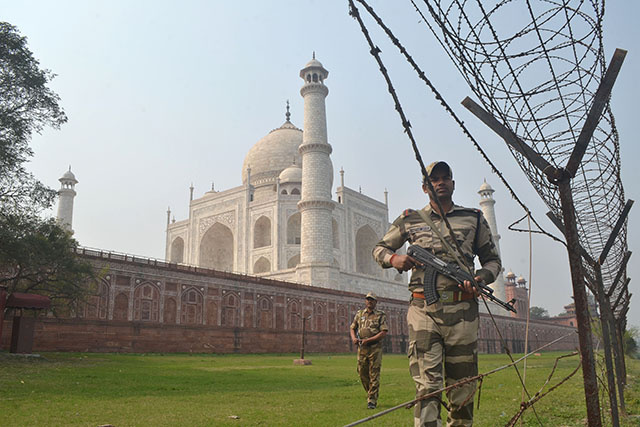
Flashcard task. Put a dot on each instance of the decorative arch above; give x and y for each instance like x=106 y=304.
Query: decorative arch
x=216 y=248
x=121 y=307
x=284 y=192
x=293 y=314
x=293 y=261
x=231 y=310
x=319 y=316
x=342 y=318
x=97 y=305
x=295 y=191
x=191 y=307
x=366 y=239
x=177 y=250
x=265 y=313
x=262 y=265
x=293 y=229
x=262 y=232
x=146 y=303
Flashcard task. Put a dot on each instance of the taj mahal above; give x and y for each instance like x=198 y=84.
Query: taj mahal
x=283 y=223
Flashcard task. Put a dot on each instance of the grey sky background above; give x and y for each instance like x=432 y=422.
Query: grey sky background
x=162 y=94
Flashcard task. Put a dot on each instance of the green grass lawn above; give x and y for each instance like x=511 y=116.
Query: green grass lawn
x=91 y=389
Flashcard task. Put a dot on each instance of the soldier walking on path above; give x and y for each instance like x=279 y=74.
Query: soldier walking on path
x=443 y=336
x=368 y=329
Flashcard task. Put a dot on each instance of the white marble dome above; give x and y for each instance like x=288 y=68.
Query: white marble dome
x=485 y=188
x=291 y=174
x=272 y=154
x=68 y=176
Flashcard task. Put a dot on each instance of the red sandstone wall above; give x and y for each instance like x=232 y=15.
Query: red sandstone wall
x=189 y=310
x=118 y=336
x=137 y=337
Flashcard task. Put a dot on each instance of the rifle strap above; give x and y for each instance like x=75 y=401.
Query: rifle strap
x=450 y=251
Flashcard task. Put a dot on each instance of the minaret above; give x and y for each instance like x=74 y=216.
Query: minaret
x=487 y=204
x=511 y=292
x=66 y=194
x=315 y=206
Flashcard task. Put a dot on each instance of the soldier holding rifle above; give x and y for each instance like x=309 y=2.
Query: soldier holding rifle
x=442 y=335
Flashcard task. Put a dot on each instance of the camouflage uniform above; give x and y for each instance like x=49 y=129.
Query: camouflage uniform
x=370 y=355
x=443 y=336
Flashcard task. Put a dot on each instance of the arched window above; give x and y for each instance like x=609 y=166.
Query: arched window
x=191 y=310
x=177 y=250
x=262 y=232
x=284 y=192
x=97 y=304
x=342 y=318
x=366 y=239
x=231 y=310
x=319 y=320
x=309 y=78
x=216 y=248
x=295 y=321
x=262 y=265
x=295 y=191
x=293 y=229
x=265 y=313
x=315 y=78
x=146 y=303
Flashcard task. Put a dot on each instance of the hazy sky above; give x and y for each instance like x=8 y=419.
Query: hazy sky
x=162 y=94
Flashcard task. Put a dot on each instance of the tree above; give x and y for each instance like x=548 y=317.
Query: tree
x=630 y=342
x=36 y=255
x=538 y=313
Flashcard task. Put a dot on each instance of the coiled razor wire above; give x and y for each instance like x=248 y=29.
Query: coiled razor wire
x=535 y=65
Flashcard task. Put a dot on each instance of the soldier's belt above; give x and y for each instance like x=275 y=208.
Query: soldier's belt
x=448 y=296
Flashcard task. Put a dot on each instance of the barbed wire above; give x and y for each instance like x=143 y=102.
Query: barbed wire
x=505 y=67
x=545 y=115
x=481 y=376
x=375 y=52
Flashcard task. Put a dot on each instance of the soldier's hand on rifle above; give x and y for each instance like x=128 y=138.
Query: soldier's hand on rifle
x=355 y=341
x=468 y=287
x=403 y=262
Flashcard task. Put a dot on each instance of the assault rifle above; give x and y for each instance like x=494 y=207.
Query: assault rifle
x=434 y=265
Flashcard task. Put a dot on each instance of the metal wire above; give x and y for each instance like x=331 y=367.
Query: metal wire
x=536 y=65
x=539 y=78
